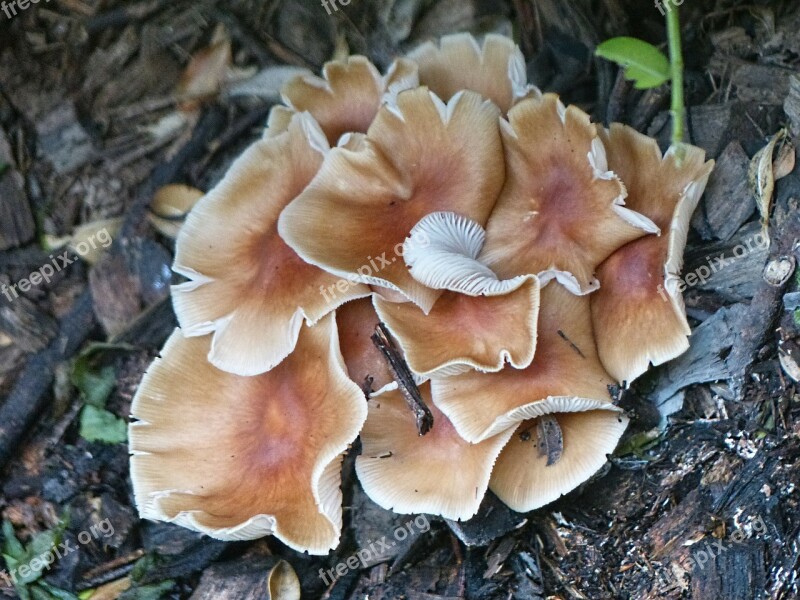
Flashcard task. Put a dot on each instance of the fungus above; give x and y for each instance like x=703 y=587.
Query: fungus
x=496 y=70
x=419 y=156
x=439 y=473
x=245 y=284
x=347 y=97
x=238 y=457
x=561 y=212
x=565 y=373
x=480 y=322
x=522 y=477
x=638 y=313
x=445 y=253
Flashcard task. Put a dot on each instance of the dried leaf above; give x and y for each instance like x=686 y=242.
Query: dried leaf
x=90 y=240
x=113 y=590
x=283 y=583
x=789 y=365
x=551 y=439
x=763 y=174
x=207 y=70
x=784 y=162
x=170 y=206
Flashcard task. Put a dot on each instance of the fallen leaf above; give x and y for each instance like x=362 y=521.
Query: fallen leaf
x=170 y=206
x=207 y=70
x=111 y=591
x=283 y=583
x=765 y=169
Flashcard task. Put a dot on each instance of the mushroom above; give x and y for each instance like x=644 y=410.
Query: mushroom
x=480 y=322
x=525 y=477
x=245 y=284
x=495 y=70
x=638 y=313
x=348 y=96
x=561 y=212
x=439 y=473
x=237 y=457
x=419 y=156
x=565 y=373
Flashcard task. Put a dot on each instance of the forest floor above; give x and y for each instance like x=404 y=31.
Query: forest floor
x=700 y=500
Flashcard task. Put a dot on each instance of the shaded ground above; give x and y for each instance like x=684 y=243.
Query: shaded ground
x=90 y=128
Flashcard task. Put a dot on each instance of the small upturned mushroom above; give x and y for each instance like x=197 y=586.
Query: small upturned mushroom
x=543 y=461
x=439 y=473
x=638 y=313
x=238 y=457
x=245 y=284
x=496 y=70
x=561 y=212
x=480 y=322
x=419 y=156
x=565 y=370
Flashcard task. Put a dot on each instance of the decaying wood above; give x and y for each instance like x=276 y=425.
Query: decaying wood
x=26 y=400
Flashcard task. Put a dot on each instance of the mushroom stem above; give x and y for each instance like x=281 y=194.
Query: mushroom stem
x=677 y=109
x=405 y=381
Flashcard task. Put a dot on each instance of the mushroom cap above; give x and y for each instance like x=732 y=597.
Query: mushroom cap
x=237 y=457
x=357 y=321
x=521 y=477
x=245 y=284
x=638 y=313
x=439 y=473
x=466 y=332
x=348 y=95
x=496 y=70
x=565 y=367
x=561 y=211
x=419 y=156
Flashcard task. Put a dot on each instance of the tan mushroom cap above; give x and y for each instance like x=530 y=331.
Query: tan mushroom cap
x=238 y=458
x=246 y=285
x=357 y=321
x=347 y=97
x=438 y=473
x=561 y=211
x=565 y=368
x=420 y=156
x=495 y=70
x=638 y=313
x=466 y=332
x=521 y=477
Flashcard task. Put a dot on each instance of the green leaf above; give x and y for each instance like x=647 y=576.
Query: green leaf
x=3 y=168
x=94 y=382
x=100 y=425
x=639 y=443
x=644 y=64
x=95 y=386
x=55 y=593
x=12 y=548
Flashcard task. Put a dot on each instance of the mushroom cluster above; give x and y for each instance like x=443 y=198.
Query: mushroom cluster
x=481 y=262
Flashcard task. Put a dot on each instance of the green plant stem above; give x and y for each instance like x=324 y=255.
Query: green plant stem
x=678 y=109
